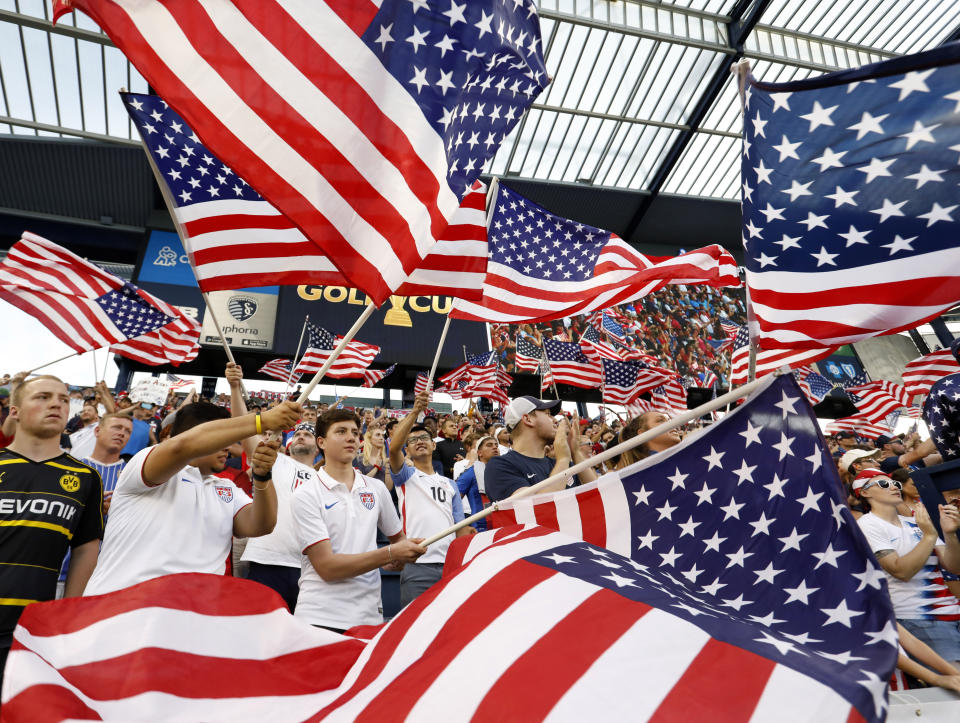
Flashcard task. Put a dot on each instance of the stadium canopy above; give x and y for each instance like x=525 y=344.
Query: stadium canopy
x=641 y=98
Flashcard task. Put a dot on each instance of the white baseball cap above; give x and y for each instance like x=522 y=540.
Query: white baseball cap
x=853 y=455
x=524 y=405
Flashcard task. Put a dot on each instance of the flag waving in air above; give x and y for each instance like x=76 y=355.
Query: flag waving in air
x=850 y=213
x=372 y=376
x=87 y=308
x=354 y=120
x=542 y=266
x=352 y=362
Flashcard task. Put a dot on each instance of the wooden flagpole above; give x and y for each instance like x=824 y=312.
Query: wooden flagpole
x=347 y=338
x=293 y=364
x=76 y=353
x=106 y=364
x=436 y=360
x=619 y=449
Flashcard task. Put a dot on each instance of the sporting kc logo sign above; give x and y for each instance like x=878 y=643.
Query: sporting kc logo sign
x=242 y=307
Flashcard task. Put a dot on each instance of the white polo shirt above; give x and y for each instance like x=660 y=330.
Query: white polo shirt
x=325 y=509
x=182 y=525
x=429 y=503
x=281 y=546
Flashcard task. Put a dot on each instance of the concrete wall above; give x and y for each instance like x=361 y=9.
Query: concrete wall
x=884 y=356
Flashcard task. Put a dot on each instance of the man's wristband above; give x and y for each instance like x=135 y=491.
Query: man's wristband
x=260 y=477
x=259 y=425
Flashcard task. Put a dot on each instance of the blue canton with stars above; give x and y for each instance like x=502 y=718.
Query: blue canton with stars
x=484 y=359
x=941 y=412
x=192 y=172
x=540 y=245
x=319 y=338
x=855 y=173
x=472 y=67
x=130 y=313
x=743 y=531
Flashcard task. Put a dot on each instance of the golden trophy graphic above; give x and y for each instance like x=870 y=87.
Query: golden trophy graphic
x=396 y=314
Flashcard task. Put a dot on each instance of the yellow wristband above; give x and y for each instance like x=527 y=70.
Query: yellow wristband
x=259 y=426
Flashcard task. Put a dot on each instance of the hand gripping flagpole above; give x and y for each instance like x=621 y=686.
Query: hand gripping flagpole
x=171 y=206
x=619 y=449
x=347 y=338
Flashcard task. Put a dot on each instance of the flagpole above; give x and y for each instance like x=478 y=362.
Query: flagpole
x=106 y=364
x=76 y=353
x=553 y=379
x=93 y=353
x=293 y=364
x=619 y=449
x=347 y=338
x=436 y=360
x=171 y=208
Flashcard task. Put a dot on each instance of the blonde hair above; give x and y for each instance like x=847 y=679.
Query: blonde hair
x=366 y=455
x=17 y=397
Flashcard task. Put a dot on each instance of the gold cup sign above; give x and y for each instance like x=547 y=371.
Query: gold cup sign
x=396 y=315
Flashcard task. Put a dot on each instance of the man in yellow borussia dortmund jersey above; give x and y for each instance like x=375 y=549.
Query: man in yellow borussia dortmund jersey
x=48 y=502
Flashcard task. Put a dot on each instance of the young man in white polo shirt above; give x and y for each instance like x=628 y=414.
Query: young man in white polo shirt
x=337 y=517
x=429 y=502
x=169 y=512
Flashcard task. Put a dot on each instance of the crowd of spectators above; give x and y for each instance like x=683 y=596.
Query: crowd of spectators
x=317 y=503
x=679 y=325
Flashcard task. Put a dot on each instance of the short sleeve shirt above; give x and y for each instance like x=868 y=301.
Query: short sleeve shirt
x=45 y=508
x=184 y=524
x=324 y=509
x=924 y=596
x=508 y=472
x=429 y=503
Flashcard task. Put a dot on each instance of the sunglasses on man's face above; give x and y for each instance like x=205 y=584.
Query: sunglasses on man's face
x=883 y=484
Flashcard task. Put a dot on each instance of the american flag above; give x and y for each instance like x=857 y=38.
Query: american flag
x=815 y=386
x=372 y=376
x=768 y=360
x=528 y=355
x=921 y=373
x=848 y=203
x=670 y=397
x=454 y=375
x=941 y=412
x=421 y=383
x=176 y=382
x=352 y=362
x=706 y=380
x=482 y=359
x=279 y=369
x=236 y=239
x=566 y=364
x=603 y=321
x=746 y=524
x=623 y=380
x=860 y=425
x=363 y=123
x=596 y=350
x=543 y=266
x=87 y=308
x=423 y=661
x=877 y=400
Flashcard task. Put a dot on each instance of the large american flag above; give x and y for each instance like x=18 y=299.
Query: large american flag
x=524 y=602
x=236 y=239
x=623 y=381
x=768 y=360
x=528 y=355
x=877 y=400
x=921 y=373
x=566 y=364
x=849 y=202
x=859 y=425
x=86 y=308
x=941 y=412
x=353 y=360
x=543 y=266
x=364 y=123
x=279 y=369
x=745 y=525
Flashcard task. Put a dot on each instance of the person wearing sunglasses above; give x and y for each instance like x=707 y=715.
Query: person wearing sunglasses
x=911 y=556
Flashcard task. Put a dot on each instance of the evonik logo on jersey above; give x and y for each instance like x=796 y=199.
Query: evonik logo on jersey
x=38 y=506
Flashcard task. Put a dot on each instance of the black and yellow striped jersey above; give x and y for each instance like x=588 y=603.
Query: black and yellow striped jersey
x=44 y=508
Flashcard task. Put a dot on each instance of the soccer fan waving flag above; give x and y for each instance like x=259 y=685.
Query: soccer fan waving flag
x=87 y=308
x=849 y=200
x=353 y=119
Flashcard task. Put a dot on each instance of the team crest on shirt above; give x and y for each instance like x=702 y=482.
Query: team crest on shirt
x=70 y=482
x=368 y=500
x=224 y=493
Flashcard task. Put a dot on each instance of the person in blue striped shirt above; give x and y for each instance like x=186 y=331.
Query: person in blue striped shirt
x=111 y=435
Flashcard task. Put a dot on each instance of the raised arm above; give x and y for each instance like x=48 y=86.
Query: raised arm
x=238 y=407
x=402 y=430
x=261 y=517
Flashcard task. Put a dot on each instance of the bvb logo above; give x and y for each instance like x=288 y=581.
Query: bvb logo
x=70 y=482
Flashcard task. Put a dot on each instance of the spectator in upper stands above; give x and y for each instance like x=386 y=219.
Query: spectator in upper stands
x=532 y=427
x=170 y=513
x=337 y=516
x=911 y=555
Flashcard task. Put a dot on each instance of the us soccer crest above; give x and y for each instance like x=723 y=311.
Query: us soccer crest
x=224 y=493
x=367 y=500
x=242 y=307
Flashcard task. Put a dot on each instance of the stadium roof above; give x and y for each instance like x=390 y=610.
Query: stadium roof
x=642 y=98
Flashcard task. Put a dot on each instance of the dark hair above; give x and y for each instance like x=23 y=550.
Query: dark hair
x=332 y=416
x=391 y=424
x=191 y=415
x=900 y=474
x=420 y=428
